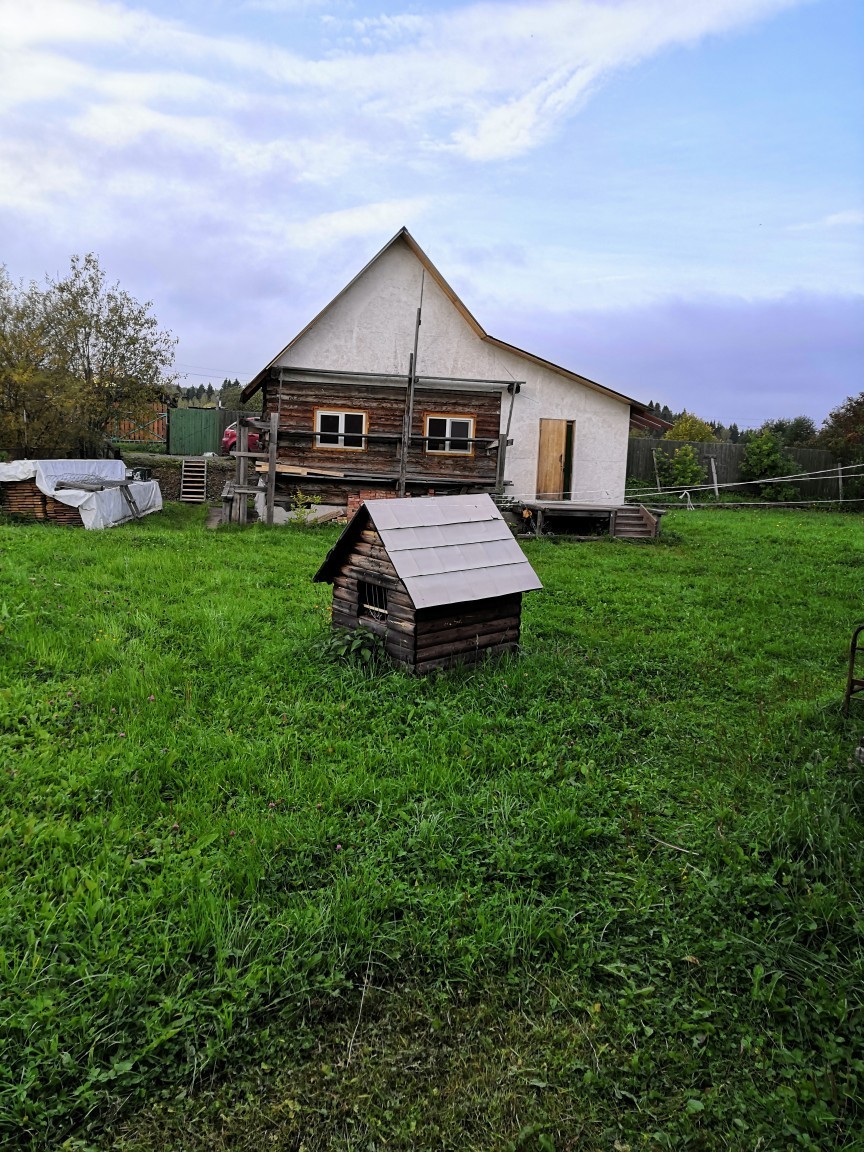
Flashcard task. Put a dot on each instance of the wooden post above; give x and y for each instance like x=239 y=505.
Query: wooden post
x=499 y=464
x=504 y=440
x=656 y=469
x=409 y=395
x=242 y=469
x=714 y=477
x=840 y=481
x=406 y=427
x=271 y=461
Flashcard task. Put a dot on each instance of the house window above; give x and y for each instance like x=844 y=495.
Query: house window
x=371 y=601
x=334 y=429
x=450 y=434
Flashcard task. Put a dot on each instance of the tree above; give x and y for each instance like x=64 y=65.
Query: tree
x=29 y=426
x=229 y=397
x=74 y=355
x=690 y=427
x=797 y=432
x=842 y=431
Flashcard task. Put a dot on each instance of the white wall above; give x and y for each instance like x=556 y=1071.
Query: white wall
x=371 y=329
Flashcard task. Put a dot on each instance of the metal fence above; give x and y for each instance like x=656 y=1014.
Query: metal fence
x=727 y=461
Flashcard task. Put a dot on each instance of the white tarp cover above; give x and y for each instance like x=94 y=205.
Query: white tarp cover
x=97 y=509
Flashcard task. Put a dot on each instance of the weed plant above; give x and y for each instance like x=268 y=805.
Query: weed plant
x=605 y=894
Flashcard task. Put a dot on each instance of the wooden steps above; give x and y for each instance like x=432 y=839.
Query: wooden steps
x=633 y=522
x=193 y=480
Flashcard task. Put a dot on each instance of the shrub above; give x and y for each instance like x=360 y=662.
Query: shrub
x=764 y=459
x=680 y=470
x=358 y=646
x=302 y=506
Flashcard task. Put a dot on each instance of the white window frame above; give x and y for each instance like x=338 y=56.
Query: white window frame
x=448 y=437
x=340 y=446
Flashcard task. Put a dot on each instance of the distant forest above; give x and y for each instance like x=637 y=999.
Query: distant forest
x=794 y=432
x=206 y=396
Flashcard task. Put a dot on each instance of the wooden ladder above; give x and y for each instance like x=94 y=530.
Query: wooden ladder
x=193 y=480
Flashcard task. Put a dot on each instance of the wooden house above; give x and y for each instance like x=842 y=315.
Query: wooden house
x=394 y=388
x=440 y=579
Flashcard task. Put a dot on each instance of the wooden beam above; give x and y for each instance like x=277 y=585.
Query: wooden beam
x=271 y=465
x=297 y=470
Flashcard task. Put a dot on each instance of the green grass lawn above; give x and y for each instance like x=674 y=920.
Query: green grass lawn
x=605 y=895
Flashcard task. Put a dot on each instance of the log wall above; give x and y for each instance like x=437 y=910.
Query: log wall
x=467 y=632
x=369 y=561
x=296 y=402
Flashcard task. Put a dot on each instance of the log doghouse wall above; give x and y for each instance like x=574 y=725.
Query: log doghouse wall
x=440 y=579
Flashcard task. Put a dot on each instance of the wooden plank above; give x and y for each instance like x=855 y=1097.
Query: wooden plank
x=241 y=502
x=270 y=499
x=401 y=613
x=297 y=470
x=398 y=625
x=377 y=572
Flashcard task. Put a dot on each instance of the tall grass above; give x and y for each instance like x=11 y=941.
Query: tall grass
x=651 y=811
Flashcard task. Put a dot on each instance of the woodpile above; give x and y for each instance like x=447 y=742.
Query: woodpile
x=23 y=498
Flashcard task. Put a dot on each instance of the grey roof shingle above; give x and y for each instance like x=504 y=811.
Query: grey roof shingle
x=445 y=549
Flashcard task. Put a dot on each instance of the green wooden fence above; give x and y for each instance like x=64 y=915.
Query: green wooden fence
x=195 y=431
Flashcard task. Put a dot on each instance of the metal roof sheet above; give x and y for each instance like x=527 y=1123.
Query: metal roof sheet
x=414 y=512
x=435 y=589
x=449 y=549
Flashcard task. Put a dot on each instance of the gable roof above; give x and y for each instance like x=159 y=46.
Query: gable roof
x=405 y=236
x=445 y=549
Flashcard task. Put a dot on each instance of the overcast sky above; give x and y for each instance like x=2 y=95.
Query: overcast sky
x=664 y=195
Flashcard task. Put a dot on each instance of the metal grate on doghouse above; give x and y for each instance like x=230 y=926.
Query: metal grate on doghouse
x=372 y=601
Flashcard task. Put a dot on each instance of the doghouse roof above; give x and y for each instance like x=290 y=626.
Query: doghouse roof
x=445 y=549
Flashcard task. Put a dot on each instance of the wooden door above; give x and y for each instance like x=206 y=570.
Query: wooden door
x=550 y=460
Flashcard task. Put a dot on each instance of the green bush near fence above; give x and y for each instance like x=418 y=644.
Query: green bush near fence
x=681 y=468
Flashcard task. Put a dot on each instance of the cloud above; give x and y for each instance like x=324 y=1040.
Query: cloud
x=487 y=81
x=333 y=228
x=238 y=178
x=725 y=358
x=850 y=219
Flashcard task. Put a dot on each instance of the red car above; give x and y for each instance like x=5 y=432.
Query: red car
x=229 y=440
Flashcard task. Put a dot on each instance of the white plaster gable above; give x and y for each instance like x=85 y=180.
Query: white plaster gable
x=369 y=327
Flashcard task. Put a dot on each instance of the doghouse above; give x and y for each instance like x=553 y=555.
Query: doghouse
x=440 y=579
